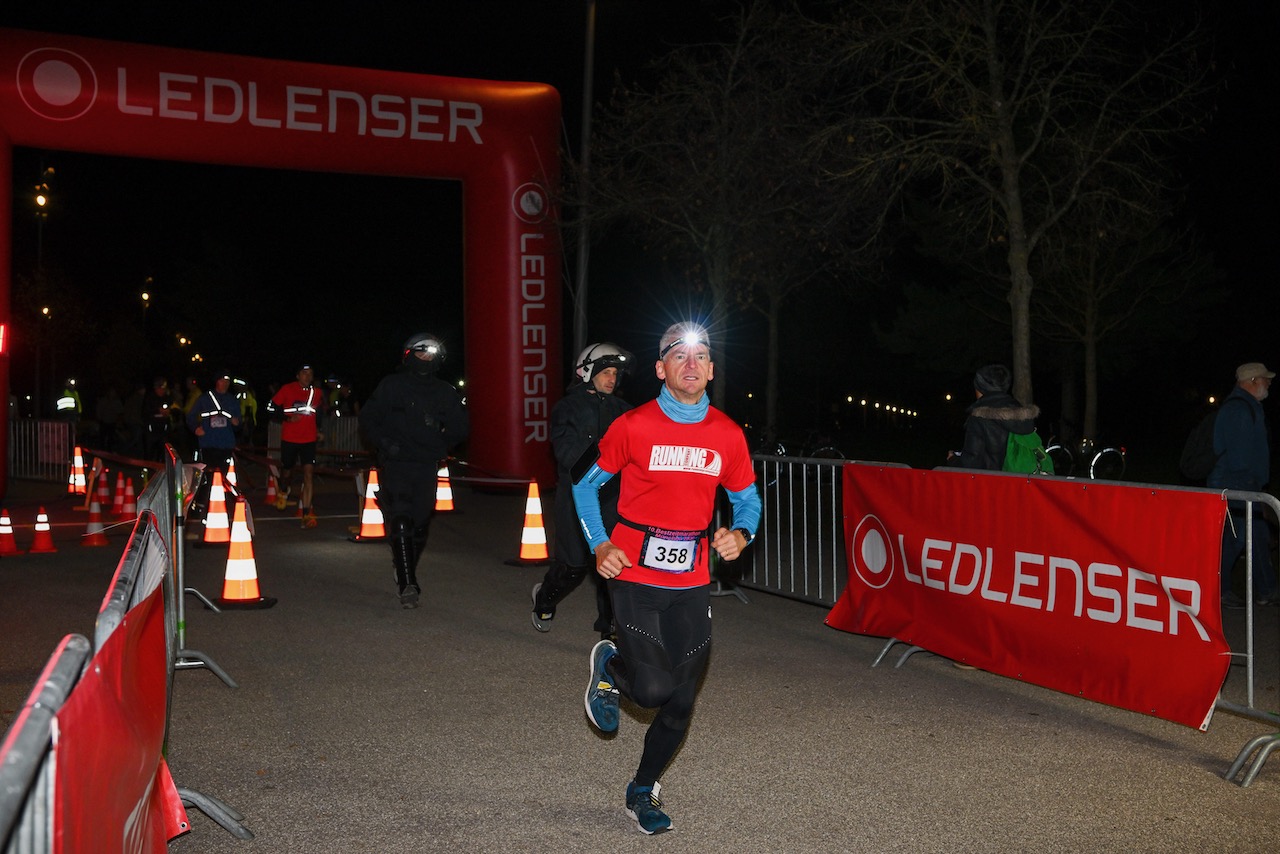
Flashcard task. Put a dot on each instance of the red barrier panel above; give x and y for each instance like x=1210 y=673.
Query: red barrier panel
x=1103 y=591
x=114 y=792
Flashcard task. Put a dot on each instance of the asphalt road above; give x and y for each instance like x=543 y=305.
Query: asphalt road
x=361 y=727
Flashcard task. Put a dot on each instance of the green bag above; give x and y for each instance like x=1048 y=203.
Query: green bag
x=1025 y=453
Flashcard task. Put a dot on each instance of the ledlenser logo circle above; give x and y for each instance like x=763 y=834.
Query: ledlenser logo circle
x=56 y=84
x=872 y=552
x=530 y=203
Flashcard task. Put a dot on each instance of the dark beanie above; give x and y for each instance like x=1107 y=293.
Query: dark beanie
x=992 y=378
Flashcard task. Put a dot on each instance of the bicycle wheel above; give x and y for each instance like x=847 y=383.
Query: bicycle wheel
x=1062 y=460
x=1108 y=464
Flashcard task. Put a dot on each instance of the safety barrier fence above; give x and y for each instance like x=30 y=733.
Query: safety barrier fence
x=39 y=450
x=800 y=553
x=104 y=785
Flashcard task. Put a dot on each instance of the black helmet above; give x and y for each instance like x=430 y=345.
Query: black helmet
x=423 y=342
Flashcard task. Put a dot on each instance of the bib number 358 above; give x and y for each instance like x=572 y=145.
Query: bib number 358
x=669 y=555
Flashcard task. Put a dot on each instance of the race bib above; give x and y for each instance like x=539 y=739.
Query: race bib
x=217 y=422
x=670 y=551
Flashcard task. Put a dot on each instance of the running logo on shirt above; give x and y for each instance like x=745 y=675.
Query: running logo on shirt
x=685 y=458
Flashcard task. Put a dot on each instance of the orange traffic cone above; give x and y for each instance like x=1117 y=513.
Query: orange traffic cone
x=129 y=509
x=444 y=492
x=216 y=529
x=240 y=585
x=8 y=545
x=94 y=535
x=75 y=483
x=371 y=523
x=103 y=494
x=43 y=542
x=117 y=502
x=533 y=538
x=271 y=486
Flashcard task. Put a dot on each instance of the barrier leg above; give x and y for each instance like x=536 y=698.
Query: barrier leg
x=224 y=815
x=721 y=589
x=185 y=662
x=888 y=646
x=910 y=652
x=1263 y=745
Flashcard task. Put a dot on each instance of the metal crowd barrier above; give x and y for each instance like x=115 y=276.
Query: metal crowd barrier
x=153 y=556
x=799 y=548
x=39 y=450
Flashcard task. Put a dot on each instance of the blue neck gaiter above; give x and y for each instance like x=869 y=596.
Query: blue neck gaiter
x=682 y=413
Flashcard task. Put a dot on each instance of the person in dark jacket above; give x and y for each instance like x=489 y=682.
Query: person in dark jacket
x=577 y=423
x=413 y=419
x=992 y=417
x=1244 y=463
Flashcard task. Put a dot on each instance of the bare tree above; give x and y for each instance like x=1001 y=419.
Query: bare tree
x=714 y=166
x=1003 y=113
x=1114 y=276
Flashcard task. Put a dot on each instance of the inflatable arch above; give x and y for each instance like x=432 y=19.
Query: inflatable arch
x=498 y=138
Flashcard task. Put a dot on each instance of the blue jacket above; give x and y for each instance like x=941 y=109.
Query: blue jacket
x=1240 y=438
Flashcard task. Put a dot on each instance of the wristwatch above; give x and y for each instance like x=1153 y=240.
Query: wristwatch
x=749 y=536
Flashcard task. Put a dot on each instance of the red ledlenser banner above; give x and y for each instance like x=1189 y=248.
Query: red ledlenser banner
x=1103 y=591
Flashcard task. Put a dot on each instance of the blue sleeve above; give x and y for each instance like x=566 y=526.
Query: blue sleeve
x=586 y=497
x=746 y=508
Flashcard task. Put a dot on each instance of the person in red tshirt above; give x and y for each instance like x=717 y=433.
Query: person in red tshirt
x=298 y=407
x=671 y=453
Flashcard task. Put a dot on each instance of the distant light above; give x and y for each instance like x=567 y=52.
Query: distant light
x=948 y=397
x=849 y=399
x=1212 y=400
x=42 y=199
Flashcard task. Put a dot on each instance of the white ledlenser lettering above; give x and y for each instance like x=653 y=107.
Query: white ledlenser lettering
x=122 y=97
x=211 y=87
x=1095 y=572
x=1023 y=580
x=467 y=116
x=927 y=563
x=1190 y=608
x=965 y=550
x=335 y=97
x=254 y=118
x=224 y=101
x=394 y=116
x=294 y=105
x=418 y=116
x=1135 y=600
x=168 y=95
x=533 y=332
x=1132 y=596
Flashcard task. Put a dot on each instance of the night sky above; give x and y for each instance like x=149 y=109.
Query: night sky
x=340 y=269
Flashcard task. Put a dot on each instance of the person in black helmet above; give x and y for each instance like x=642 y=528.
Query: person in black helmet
x=413 y=419
x=577 y=423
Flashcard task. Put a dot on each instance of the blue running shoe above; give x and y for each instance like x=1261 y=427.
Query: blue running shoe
x=602 y=697
x=643 y=805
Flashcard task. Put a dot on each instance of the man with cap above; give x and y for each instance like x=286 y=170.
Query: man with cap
x=992 y=417
x=299 y=407
x=1244 y=463
x=213 y=418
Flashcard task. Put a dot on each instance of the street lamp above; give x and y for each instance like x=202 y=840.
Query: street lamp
x=588 y=80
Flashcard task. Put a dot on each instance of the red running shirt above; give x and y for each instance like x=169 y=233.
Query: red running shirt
x=299 y=427
x=669 y=473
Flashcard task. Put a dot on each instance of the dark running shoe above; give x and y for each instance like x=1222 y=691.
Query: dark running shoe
x=643 y=806
x=1232 y=601
x=602 y=697
x=409 y=596
x=541 y=619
